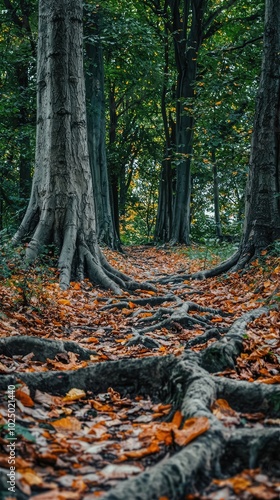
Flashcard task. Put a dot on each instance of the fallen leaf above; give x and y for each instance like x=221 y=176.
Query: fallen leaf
x=74 y=395
x=192 y=428
x=67 y=424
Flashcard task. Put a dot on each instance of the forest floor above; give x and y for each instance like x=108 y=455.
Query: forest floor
x=81 y=444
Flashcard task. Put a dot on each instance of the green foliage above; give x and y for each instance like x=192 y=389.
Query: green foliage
x=134 y=41
x=17 y=110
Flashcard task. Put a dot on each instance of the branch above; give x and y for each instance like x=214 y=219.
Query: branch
x=215 y=14
x=237 y=47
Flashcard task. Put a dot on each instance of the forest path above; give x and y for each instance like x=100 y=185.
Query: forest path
x=80 y=445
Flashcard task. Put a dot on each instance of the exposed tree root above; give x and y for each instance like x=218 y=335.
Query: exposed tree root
x=41 y=348
x=184 y=381
x=179 y=316
x=238 y=261
x=222 y=354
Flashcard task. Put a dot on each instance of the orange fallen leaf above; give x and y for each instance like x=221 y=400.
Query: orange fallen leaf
x=222 y=406
x=145 y=315
x=24 y=398
x=237 y=483
x=67 y=424
x=270 y=380
x=137 y=454
x=177 y=419
x=193 y=428
x=93 y=340
x=259 y=353
x=64 y=302
x=126 y=311
x=100 y=407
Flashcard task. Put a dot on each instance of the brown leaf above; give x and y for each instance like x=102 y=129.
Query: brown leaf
x=24 y=398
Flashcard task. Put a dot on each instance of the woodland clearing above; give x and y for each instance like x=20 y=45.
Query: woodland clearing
x=163 y=394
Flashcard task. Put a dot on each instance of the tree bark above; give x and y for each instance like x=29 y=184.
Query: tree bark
x=167 y=176
x=186 y=53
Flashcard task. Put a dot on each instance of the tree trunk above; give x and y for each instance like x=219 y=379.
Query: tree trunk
x=218 y=225
x=166 y=198
x=96 y=138
x=186 y=53
x=113 y=168
x=262 y=204
x=61 y=209
x=186 y=60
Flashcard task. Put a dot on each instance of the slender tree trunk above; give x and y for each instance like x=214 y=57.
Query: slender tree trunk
x=166 y=197
x=218 y=225
x=113 y=168
x=186 y=53
x=96 y=138
x=61 y=209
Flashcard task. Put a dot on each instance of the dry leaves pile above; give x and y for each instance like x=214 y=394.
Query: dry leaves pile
x=78 y=446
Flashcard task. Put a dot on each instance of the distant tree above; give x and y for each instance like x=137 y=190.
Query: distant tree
x=94 y=79
x=191 y=25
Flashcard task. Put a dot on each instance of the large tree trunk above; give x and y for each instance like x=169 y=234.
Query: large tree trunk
x=262 y=205
x=61 y=209
x=96 y=138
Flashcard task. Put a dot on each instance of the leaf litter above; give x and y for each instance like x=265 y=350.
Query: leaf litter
x=80 y=443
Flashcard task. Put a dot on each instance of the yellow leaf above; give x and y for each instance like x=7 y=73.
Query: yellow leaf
x=74 y=394
x=31 y=478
